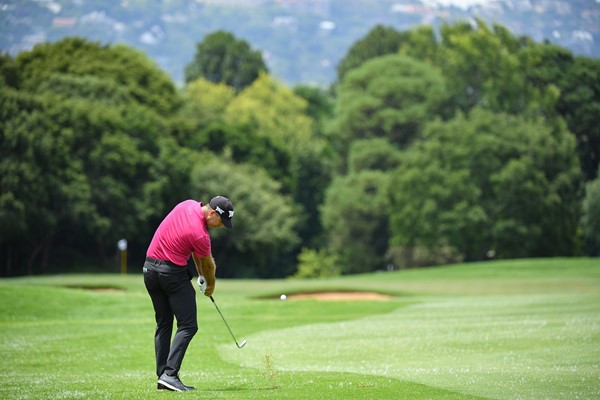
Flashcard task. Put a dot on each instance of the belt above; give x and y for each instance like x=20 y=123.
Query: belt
x=162 y=262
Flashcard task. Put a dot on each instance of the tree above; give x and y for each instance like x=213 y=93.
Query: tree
x=89 y=87
x=485 y=68
x=591 y=216
x=355 y=218
x=576 y=80
x=81 y=133
x=376 y=154
x=421 y=43
x=269 y=109
x=205 y=102
x=390 y=97
x=488 y=182
x=273 y=110
x=379 y=41
x=42 y=186
x=221 y=58
x=579 y=104
x=243 y=146
x=8 y=72
x=319 y=105
x=118 y=148
x=489 y=67
x=129 y=72
x=355 y=209
x=317 y=264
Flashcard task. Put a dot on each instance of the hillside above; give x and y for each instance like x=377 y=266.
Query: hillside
x=301 y=41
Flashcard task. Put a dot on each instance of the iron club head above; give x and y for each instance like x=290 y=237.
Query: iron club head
x=242 y=344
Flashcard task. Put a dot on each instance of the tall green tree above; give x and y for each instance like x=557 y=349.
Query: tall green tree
x=43 y=187
x=205 y=102
x=117 y=147
x=489 y=182
x=81 y=135
x=243 y=146
x=273 y=110
x=422 y=44
x=222 y=58
x=577 y=80
x=390 y=97
x=128 y=72
x=77 y=176
x=8 y=71
x=591 y=216
x=355 y=218
x=379 y=41
x=376 y=154
x=491 y=68
x=579 y=104
x=355 y=211
x=319 y=105
x=486 y=69
x=269 y=109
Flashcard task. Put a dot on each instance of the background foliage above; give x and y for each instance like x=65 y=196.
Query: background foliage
x=428 y=150
x=221 y=58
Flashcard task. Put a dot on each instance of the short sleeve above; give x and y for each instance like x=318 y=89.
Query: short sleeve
x=202 y=247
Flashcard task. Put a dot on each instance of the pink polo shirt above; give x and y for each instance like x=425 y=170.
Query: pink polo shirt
x=182 y=232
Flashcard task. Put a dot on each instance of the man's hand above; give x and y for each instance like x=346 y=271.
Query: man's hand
x=206 y=274
x=202 y=283
x=209 y=291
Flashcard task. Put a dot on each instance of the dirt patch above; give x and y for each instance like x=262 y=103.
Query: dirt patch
x=340 y=296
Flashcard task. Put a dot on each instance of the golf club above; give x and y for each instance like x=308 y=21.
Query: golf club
x=239 y=345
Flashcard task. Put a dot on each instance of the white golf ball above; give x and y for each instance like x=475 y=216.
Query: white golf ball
x=283 y=297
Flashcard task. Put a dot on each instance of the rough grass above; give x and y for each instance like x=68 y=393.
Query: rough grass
x=524 y=329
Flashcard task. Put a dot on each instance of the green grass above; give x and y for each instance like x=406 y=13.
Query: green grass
x=523 y=329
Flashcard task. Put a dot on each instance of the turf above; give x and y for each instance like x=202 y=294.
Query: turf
x=523 y=329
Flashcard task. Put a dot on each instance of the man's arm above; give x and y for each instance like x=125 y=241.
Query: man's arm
x=207 y=268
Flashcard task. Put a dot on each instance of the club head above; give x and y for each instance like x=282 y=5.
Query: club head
x=242 y=344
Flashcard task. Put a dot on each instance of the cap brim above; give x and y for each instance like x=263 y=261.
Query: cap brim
x=228 y=223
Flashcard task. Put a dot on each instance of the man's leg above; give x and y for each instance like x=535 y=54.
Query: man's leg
x=183 y=304
x=164 y=319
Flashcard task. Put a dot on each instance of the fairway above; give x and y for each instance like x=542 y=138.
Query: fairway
x=522 y=329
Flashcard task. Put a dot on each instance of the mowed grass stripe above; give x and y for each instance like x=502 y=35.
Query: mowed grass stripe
x=500 y=347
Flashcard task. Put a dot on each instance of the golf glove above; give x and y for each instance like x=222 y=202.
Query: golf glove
x=202 y=283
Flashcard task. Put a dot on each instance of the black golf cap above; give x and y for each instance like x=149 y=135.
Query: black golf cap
x=223 y=206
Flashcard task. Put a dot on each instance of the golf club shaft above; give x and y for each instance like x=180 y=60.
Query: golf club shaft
x=226 y=324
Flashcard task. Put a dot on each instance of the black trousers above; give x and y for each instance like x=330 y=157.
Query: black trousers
x=173 y=296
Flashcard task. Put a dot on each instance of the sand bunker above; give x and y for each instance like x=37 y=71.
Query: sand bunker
x=340 y=296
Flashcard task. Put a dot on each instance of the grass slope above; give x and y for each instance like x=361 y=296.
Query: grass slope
x=524 y=329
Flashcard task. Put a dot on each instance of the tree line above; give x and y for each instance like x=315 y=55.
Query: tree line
x=431 y=147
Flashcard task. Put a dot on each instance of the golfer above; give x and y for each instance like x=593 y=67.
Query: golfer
x=182 y=233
